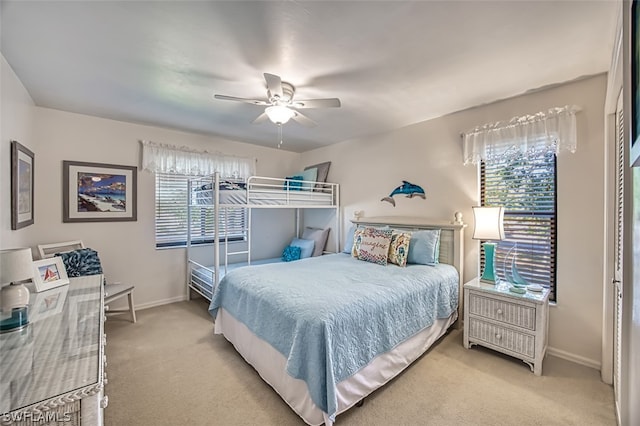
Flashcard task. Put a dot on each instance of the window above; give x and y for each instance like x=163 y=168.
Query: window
x=525 y=185
x=172 y=214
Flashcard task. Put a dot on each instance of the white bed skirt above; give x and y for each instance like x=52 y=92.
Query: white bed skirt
x=271 y=365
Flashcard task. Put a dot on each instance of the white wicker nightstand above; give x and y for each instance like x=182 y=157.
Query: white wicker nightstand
x=514 y=324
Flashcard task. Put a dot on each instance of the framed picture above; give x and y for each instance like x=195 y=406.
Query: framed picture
x=22 y=169
x=47 y=303
x=94 y=192
x=634 y=152
x=49 y=273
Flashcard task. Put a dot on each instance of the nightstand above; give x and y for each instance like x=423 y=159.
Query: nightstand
x=511 y=323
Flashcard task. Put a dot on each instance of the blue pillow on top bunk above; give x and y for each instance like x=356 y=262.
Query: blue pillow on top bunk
x=309 y=176
x=306 y=247
x=293 y=183
x=290 y=253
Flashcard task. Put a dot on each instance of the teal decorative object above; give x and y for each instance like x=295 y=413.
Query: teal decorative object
x=489 y=273
x=408 y=189
x=511 y=274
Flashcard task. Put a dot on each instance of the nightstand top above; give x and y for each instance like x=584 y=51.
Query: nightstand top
x=502 y=289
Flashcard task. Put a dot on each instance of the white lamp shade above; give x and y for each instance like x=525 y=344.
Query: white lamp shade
x=15 y=265
x=488 y=223
x=279 y=114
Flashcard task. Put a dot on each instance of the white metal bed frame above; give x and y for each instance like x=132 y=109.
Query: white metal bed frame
x=280 y=191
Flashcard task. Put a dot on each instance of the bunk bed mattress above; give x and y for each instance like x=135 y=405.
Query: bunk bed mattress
x=330 y=316
x=202 y=277
x=275 y=197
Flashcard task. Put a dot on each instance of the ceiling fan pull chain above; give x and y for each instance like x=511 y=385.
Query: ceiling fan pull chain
x=279 y=135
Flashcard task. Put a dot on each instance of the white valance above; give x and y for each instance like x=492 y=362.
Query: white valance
x=159 y=158
x=553 y=130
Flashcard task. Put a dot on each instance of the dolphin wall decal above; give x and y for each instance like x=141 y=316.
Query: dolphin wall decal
x=408 y=189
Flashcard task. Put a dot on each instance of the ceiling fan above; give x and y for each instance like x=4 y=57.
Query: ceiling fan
x=280 y=105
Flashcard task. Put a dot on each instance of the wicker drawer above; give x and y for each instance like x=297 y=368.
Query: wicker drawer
x=506 y=338
x=509 y=313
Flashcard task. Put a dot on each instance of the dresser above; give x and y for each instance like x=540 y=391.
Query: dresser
x=52 y=371
x=511 y=323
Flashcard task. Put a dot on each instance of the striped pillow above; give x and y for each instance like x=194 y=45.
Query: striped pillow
x=81 y=262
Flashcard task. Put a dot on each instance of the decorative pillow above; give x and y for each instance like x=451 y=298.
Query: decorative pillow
x=293 y=183
x=399 y=248
x=371 y=245
x=424 y=247
x=311 y=176
x=348 y=242
x=306 y=247
x=318 y=235
x=81 y=262
x=323 y=172
x=291 y=253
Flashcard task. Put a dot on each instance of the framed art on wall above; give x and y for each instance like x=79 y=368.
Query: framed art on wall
x=95 y=192
x=49 y=273
x=22 y=172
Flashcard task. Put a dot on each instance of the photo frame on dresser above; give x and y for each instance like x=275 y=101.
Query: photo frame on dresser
x=49 y=273
x=96 y=192
x=22 y=184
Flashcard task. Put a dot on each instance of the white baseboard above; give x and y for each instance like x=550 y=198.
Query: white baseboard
x=160 y=302
x=592 y=363
x=120 y=305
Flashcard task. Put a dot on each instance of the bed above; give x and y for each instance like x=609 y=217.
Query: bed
x=211 y=198
x=327 y=331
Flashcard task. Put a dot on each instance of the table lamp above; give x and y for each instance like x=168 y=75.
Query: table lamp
x=16 y=266
x=488 y=228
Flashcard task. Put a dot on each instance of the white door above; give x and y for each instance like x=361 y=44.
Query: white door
x=618 y=257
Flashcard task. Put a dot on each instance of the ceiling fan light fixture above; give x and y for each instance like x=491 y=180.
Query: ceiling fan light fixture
x=279 y=114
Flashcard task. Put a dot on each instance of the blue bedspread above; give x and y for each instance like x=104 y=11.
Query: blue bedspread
x=331 y=315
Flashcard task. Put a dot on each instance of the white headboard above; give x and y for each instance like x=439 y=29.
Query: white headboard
x=451 y=239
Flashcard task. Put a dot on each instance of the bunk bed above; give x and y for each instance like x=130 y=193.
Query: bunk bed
x=327 y=331
x=215 y=199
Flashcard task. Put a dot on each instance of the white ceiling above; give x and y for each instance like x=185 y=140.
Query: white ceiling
x=392 y=63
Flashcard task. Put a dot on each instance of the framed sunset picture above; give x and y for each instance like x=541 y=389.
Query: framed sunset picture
x=95 y=192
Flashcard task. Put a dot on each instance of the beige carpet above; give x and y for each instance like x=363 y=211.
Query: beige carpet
x=169 y=369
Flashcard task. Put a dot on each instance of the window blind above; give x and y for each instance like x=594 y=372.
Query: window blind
x=172 y=215
x=525 y=185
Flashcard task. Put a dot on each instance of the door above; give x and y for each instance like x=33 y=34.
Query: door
x=618 y=252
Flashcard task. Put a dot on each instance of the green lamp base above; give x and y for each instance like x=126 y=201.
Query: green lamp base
x=489 y=273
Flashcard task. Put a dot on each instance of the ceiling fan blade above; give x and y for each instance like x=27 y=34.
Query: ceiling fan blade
x=274 y=84
x=261 y=118
x=317 y=103
x=303 y=119
x=245 y=100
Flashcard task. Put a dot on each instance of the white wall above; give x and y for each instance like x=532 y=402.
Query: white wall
x=127 y=249
x=430 y=154
x=16 y=123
